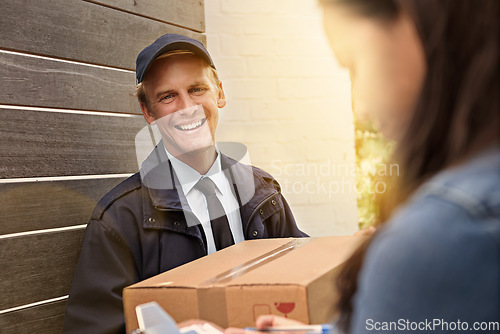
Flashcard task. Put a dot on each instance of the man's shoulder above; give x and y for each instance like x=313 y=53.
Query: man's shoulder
x=268 y=178
x=119 y=192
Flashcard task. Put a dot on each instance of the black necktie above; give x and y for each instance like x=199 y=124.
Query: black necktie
x=218 y=219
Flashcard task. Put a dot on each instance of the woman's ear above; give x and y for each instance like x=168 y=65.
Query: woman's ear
x=148 y=116
x=221 y=99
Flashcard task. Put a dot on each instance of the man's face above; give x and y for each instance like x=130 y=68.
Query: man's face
x=184 y=102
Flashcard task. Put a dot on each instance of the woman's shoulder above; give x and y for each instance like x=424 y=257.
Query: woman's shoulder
x=473 y=186
x=441 y=251
x=452 y=216
x=465 y=198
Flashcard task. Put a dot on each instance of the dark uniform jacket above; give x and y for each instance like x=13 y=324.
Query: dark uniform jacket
x=142 y=228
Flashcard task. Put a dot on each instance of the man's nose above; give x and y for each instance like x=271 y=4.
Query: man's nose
x=185 y=103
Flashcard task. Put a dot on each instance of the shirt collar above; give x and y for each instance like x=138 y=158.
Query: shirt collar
x=188 y=176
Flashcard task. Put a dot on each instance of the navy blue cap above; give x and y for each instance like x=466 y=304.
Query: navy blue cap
x=165 y=43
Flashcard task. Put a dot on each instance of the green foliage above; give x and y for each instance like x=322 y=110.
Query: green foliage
x=372 y=153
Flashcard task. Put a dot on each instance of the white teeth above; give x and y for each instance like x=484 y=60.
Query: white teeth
x=190 y=126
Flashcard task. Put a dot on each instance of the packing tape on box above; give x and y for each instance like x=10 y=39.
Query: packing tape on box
x=244 y=268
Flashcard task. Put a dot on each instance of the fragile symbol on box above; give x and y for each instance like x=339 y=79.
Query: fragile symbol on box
x=285 y=308
x=261 y=309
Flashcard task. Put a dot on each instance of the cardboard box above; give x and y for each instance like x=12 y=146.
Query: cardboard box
x=292 y=277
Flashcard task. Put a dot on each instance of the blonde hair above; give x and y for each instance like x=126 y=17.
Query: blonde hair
x=140 y=90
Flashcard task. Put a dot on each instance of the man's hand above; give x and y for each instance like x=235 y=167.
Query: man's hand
x=266 y=321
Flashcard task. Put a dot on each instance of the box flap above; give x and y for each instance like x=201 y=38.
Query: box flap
x=308 y=262
x=192 y=274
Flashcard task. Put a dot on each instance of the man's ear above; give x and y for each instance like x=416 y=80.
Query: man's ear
x=148 y=116
x=221 y=99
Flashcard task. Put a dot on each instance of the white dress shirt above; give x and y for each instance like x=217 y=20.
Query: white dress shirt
x=188 y=177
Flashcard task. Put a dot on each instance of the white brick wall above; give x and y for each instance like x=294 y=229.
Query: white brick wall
x=289 y=102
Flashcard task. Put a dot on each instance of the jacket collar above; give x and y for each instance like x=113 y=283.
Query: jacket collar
x=158 y=176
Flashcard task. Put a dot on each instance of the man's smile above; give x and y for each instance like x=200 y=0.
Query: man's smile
x=191 y=126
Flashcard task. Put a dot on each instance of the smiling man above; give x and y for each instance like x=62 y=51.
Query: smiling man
x=182 y=94
x=187 y=201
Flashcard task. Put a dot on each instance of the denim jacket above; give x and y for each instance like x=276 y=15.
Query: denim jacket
x=435 y=266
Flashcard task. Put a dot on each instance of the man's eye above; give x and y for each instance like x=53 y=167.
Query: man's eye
x=197 y=90
x=167 y=98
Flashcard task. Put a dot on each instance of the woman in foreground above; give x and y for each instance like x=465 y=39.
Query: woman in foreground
x=425 y=72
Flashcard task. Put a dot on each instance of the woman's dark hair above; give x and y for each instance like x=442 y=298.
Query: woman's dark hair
x=457 y=114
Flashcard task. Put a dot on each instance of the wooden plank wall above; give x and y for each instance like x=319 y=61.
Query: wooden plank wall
x=68 y=120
